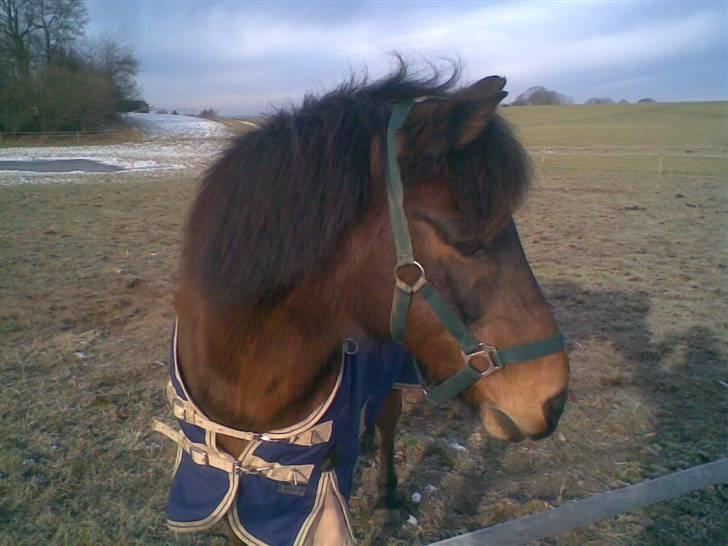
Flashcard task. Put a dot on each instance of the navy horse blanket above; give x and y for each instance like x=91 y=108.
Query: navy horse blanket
x=279 y=489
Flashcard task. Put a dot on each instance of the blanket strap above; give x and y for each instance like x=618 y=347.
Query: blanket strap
x=204 y=455
x=185 y=411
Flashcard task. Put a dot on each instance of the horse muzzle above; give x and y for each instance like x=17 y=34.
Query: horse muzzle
x=499 y=424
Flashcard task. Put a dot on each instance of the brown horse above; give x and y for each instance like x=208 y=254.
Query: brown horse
x=289 y=249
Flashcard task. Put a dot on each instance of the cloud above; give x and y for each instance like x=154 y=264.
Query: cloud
x=264 y=51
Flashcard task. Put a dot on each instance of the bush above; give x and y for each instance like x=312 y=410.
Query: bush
x=540 y=96
x=17 y=106
x=56 y=98
x=596 y=100
x=49 y=81
x=208 y=113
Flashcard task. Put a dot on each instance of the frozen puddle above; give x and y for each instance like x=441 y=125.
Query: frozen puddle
x=59 y=166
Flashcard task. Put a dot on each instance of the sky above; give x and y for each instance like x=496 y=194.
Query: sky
x=245 y=57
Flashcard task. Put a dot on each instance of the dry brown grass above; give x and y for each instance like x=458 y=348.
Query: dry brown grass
x=635 y=268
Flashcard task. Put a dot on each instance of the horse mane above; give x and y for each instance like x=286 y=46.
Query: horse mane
x=272 y=210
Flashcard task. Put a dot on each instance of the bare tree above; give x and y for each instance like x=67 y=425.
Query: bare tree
x=17 y=23
x=36 y=30
x=59 y=23
x=118 y=63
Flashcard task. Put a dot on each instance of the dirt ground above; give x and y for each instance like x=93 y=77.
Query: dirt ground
x=634 y=265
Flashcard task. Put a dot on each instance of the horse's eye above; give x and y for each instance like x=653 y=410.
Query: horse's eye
x=470 y=248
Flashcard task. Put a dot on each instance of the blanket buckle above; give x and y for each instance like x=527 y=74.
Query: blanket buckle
x=199 y=455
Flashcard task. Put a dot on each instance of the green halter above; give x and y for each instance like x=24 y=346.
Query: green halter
x=480 y=358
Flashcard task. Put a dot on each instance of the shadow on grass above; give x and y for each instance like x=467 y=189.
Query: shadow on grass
x=677 y=378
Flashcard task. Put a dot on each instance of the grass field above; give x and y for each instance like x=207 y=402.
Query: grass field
x=635 y=266
x=670 y=138
x=115 y=132
x=658 y=125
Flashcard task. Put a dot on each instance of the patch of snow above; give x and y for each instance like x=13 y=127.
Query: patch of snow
x=416 y=497
x=174 y=143
x=133 y=157
x=457 y=447
x=411 y=520
x=175 y=126
x=429 y=488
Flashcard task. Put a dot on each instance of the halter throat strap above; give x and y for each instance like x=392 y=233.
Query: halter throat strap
x=480 y=359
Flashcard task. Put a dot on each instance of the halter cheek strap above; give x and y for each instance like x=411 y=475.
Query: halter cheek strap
x=480 y=359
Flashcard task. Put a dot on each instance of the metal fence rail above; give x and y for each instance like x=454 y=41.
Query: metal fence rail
x=579 y=513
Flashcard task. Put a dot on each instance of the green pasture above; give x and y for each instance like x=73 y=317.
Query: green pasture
x=669 y=138
x=661 y=125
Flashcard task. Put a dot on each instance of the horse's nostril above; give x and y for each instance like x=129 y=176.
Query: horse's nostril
x=553 y=407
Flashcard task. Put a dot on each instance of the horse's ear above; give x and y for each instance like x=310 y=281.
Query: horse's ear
x=473 y=107
x=452 y=123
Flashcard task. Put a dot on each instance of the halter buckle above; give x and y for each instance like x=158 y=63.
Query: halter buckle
x=413 y=265
x=486 y=354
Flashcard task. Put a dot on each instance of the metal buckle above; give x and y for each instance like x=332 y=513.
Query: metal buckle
x=404 y=285
x=178 y=409
x=487 y=353
x=199 y=455
x=240 y=468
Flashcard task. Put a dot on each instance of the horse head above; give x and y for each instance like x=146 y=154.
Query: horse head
x=290 y=238
x=463 y=174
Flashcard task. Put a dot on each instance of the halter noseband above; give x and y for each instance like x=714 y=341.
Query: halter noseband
x=481 y=359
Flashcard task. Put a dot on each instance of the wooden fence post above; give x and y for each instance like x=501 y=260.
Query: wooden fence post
x=543 y=155
x=660 y=162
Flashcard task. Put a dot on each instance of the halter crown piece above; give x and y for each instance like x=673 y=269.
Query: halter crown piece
x=481 y=359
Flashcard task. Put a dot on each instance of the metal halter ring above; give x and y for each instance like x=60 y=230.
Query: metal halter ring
x=404 y=285
x=490 y=355
x=351 y=347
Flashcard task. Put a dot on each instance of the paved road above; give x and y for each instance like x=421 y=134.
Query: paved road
x=58 y=166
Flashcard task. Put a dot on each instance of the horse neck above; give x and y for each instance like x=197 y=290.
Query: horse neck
x=259 y=369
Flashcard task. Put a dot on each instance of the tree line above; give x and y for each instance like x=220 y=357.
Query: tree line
x=541 y=96
x=51 y=77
